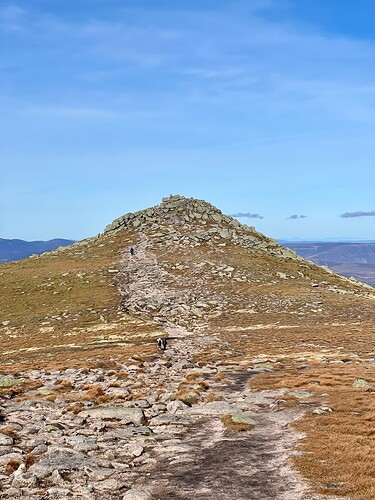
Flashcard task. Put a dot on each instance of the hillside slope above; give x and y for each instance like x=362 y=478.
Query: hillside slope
x=79 y=326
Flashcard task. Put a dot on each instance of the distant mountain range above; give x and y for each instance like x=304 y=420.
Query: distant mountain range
x=345 y=258
x=11 y=250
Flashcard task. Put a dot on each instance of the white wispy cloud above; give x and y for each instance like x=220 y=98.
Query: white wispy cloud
x=230 y=60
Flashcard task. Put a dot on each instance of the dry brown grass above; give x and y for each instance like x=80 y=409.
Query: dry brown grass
x=63 y=307
x=30 y=460
x=212 y=396
x=10 y=467
x=75 y=408
x=9 y=431
x=338 y=451
x=15 y=390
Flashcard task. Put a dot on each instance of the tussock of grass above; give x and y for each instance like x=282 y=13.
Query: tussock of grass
x=219 y=376
x=10 y=467
x=9 y=431
x=30 y=459
x=74 y=408
x=212 y=396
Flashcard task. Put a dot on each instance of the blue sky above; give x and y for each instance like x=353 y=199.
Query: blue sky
x=261 y=107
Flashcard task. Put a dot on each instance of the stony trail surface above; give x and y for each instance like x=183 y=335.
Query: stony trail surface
x=156 y=446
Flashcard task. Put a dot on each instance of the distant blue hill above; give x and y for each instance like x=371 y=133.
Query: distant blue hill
x=348 y=258
x=11 y=250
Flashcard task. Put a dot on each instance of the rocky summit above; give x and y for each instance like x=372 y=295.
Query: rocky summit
x=193 y=222
x=264 y=390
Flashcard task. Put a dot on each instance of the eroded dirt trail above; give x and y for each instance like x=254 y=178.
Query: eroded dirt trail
x=206 y=460
x=216 y=463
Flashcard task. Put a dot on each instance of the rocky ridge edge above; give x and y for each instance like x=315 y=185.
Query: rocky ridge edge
x=204 y=221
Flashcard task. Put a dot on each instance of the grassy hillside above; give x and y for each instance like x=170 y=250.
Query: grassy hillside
x=64 y=306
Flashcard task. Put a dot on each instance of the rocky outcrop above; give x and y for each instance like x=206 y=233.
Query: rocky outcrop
x=191 y=222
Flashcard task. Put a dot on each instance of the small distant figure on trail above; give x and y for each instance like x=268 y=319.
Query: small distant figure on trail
x=132 y=251
x=162 y=344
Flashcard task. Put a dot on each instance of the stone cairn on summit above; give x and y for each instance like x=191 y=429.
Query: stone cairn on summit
x=188 y=221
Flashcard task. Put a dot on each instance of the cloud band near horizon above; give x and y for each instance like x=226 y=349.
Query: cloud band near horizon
x=248 y=215
x=348 y=215
x=296 y=216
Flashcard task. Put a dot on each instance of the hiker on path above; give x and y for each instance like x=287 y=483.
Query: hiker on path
x=132 y=252
x=162 y=344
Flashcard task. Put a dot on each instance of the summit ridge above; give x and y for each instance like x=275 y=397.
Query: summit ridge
x=189 y=221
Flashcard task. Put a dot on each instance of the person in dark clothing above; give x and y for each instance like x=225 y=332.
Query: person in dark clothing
x=165 y=342
x=132 y=252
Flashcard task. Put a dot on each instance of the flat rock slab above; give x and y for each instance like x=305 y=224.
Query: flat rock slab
x=127 y=415
x=45 y=467
x=243 y=418
x=168 y=419
x=125 y=434
x=214 y=408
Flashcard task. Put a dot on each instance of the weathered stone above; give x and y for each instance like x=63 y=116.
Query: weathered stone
x=360 y=382
x=322 y=410
x=8 y=381
x=168 y=419
x=14 y=458
x=23 y=479
x=214 y=408
x=137 y=494
x=46 y=466
x=127 y=415
x=225 y=233
x=125 y=433
x=300 y=394
x=5 y=440
x=176 y=407
x=136 y=449
x=243 y=418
